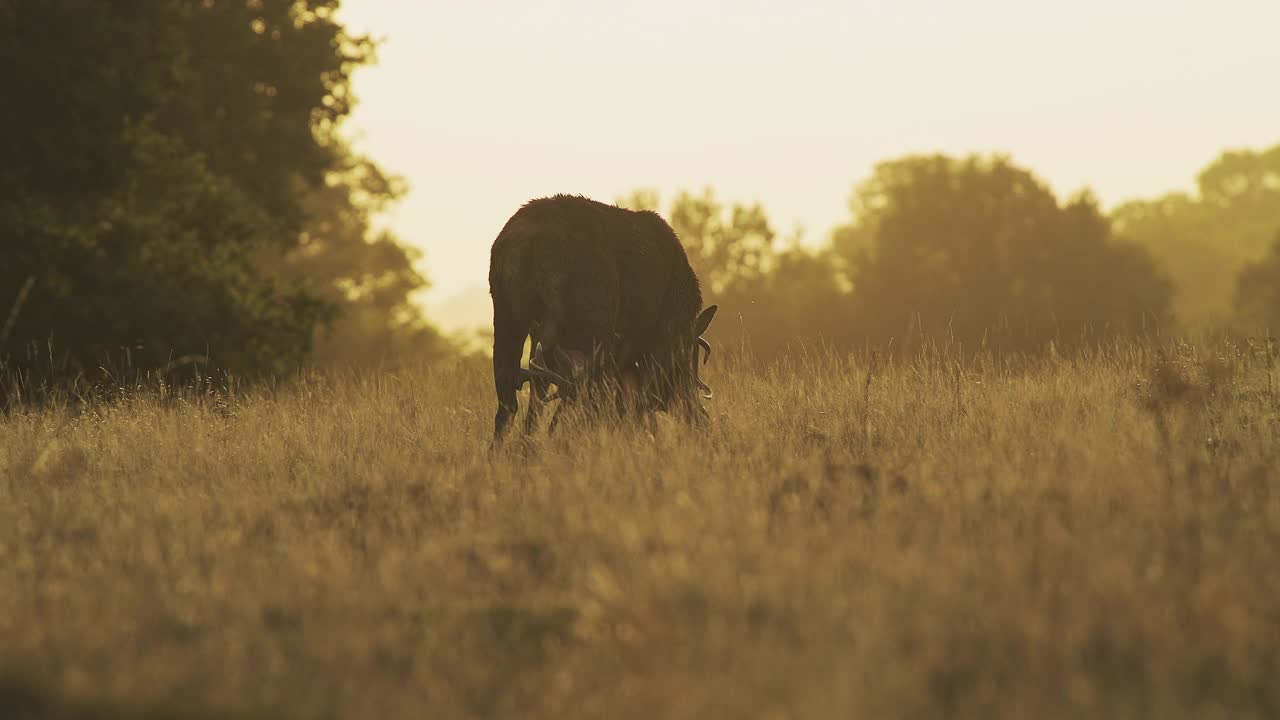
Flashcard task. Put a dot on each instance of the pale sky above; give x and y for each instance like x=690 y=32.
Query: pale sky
x=482 y=106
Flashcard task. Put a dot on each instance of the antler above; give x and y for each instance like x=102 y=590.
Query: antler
x=706 y=389
x=539 y=371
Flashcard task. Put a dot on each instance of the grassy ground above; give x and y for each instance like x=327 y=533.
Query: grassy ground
x=1065 y=538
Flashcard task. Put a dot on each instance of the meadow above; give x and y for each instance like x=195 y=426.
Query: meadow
x=1095 y=535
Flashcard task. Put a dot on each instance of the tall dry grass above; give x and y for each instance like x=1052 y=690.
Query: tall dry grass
x=941 y=537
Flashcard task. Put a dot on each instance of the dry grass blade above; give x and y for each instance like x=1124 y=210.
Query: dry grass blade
x=12 y=320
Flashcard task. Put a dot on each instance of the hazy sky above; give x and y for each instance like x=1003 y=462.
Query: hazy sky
x=484 y=105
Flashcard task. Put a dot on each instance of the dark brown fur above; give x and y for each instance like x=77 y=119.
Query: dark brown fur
x=611 y=285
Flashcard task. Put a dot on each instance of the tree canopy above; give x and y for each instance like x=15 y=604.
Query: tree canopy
x=974 y=251
x=979 y=251
x=1202 y=240
x=175 y=186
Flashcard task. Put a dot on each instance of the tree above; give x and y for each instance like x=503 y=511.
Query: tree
x=273 y=85
x=127 y=247
x=1257 y=296
x=724 y=249
x=268 y=85
x=774 y=299
x=800 y=301
x=1203 y=240
x=978 y=251
x=174 y=174
x=368 y=276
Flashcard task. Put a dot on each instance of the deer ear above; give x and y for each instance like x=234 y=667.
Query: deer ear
x=704 y=320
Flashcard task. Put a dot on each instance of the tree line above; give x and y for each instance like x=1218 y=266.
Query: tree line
x=978 y=253
x=176 y=195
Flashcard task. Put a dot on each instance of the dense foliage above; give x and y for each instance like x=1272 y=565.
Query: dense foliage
x=174 y=188
x=979 y=252
x=1203 y=240
x=973 y=252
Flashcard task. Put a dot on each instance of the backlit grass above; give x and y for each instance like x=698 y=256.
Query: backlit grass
x=853 y=537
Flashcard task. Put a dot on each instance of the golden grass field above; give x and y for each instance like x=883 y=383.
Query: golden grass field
x=932 y=538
